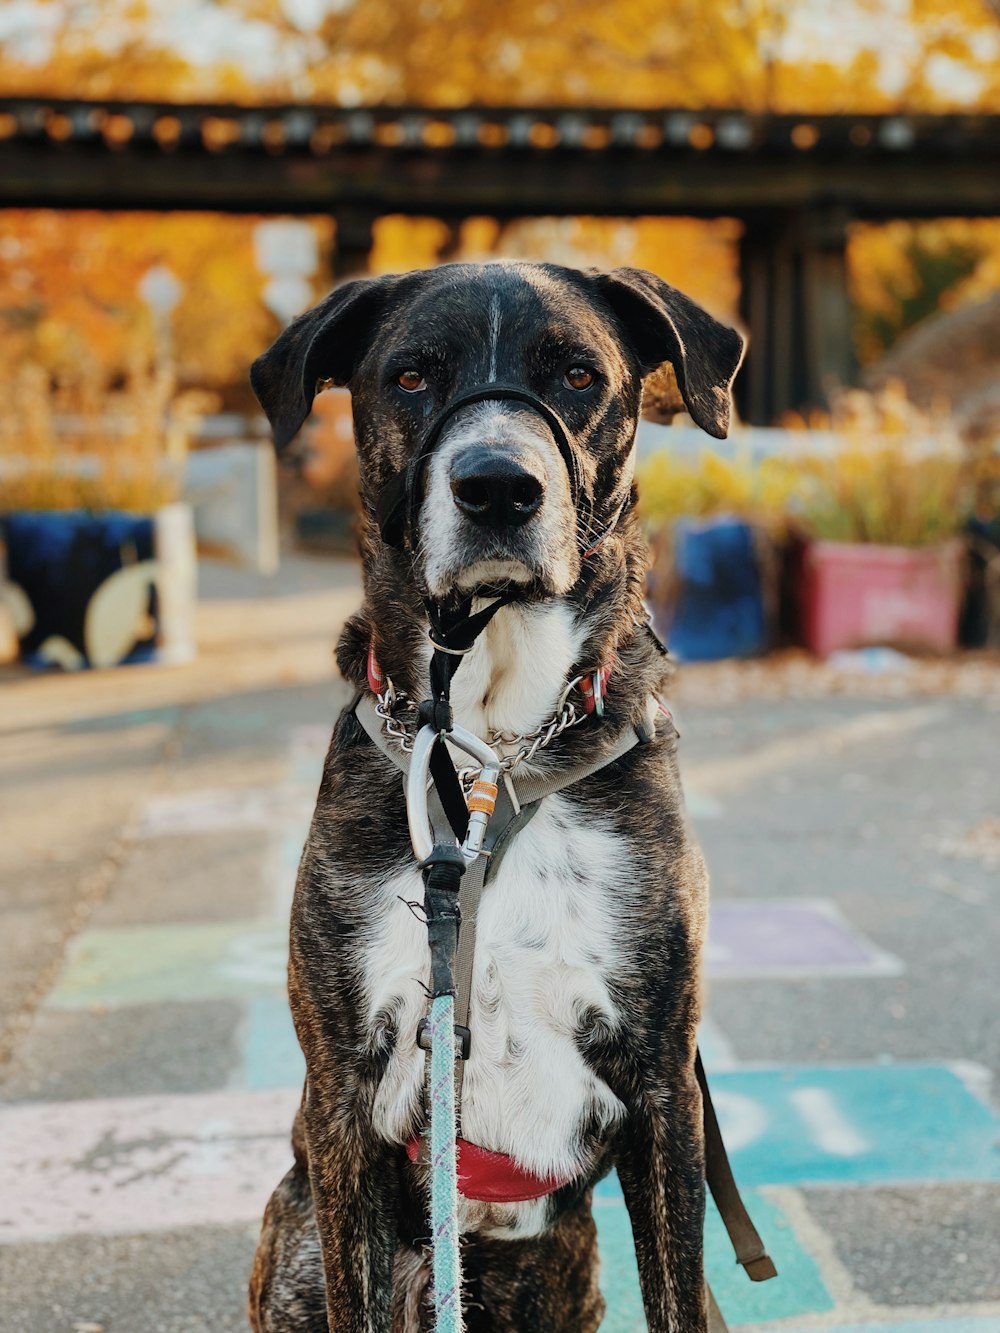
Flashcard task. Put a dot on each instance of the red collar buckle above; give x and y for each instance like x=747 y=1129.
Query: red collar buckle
x=376 y=678
x=593 y=688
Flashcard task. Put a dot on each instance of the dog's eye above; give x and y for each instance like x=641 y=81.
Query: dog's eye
x=578 y=377
x=412 y=381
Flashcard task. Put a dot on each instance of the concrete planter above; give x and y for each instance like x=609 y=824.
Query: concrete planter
x=855 y=595
x=100 y=589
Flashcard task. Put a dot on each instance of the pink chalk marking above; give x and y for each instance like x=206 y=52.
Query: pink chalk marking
x=220 y=811
x=140 y=1164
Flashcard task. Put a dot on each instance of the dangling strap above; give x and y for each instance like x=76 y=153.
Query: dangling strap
x=749 y=1247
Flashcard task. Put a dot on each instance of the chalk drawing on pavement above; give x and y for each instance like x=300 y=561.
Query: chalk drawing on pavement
x=789 y=939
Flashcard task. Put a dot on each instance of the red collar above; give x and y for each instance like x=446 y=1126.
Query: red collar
x=592 y=686
x=493 y=1177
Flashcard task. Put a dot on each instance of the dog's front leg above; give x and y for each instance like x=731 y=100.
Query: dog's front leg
x=355 y=1186
x=662 y=1172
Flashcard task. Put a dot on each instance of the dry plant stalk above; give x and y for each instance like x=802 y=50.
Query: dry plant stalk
x=711 y=486
x=899 y=476
x=81 y=444
x=896 y=476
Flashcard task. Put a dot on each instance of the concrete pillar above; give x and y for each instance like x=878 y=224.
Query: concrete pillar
x=828 y=316
x=796 y=308
x=352 y=244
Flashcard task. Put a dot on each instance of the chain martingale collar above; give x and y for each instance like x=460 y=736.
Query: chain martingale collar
x=398 y=713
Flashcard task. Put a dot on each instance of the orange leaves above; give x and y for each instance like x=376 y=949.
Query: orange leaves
x=902 y=272
x=758 y=54
x=69 y=292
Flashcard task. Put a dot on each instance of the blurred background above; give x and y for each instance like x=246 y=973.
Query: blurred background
x=176 y=184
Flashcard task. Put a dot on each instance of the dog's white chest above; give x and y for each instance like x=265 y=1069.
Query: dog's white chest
x=546 y=946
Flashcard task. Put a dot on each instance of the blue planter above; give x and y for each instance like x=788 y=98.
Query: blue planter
x=718 y=610
x=60 y=559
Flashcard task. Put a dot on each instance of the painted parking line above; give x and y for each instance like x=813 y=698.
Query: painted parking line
x=798 y=1290
x=782 y=939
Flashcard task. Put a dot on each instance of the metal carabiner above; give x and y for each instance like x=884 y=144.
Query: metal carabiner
x=417 y=814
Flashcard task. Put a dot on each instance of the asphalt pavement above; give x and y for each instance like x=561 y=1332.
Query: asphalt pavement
x=152 y=821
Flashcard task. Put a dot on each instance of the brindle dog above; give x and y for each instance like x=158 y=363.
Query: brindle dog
x=586 y=991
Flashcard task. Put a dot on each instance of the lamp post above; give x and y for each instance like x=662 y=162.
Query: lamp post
x=161 y=289
x=287 y=255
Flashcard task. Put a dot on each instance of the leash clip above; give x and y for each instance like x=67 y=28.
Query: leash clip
x=480 y=801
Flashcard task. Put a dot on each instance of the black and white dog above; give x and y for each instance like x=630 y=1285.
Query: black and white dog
x=586 y=982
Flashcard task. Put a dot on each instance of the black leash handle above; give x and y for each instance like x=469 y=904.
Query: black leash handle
x=443 y=871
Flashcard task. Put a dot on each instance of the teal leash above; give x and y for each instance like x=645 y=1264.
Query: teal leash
x=444 y=1168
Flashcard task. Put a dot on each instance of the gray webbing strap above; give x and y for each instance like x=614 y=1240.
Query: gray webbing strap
x=504 y=823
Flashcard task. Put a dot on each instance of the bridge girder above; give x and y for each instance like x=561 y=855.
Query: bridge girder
x=795 y=183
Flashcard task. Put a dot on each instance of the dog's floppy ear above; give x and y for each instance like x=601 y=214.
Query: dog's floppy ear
x=662 y=324
x=323 y=344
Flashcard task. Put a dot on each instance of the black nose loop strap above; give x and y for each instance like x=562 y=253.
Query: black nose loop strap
x=399 y=499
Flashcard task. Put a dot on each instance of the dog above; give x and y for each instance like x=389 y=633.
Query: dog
x=586 y=983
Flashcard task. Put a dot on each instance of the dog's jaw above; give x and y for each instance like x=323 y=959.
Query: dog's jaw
x=494 y=574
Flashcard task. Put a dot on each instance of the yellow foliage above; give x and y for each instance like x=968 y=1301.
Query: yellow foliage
x=711 y=486
x=886 y=493
x=863 y=55
x=884 y=276
x=898 y=476
x=887 y=473
x=70 y=300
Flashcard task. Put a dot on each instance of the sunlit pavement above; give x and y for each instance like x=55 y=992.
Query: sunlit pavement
x=154 y=820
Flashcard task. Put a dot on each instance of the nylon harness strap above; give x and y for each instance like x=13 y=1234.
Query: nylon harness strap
x=398 y=501
x=528 y=792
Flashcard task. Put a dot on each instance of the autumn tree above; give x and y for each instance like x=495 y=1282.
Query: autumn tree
x=759 y=54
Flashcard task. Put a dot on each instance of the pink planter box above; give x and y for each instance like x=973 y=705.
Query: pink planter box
x=853 y=595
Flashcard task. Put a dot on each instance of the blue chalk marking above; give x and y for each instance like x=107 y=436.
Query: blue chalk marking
x=271 y=1054
x=859 y=1125
x=798 y=1290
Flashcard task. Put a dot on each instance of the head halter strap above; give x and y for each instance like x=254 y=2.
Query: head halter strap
x=399 y=500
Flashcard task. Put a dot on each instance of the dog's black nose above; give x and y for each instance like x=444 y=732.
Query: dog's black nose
x=495 y=489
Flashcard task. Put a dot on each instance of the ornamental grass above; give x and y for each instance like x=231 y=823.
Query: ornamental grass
x=85 y=444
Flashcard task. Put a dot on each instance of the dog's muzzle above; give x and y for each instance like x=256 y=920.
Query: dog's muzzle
x=491 y=491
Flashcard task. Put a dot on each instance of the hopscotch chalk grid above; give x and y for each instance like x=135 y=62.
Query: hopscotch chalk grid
x=173 y=1161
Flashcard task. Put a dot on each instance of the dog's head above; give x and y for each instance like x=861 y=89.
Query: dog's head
x=520 y=484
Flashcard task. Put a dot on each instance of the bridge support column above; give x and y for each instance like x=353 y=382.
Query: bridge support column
x=797 y=310
x=352 y=244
